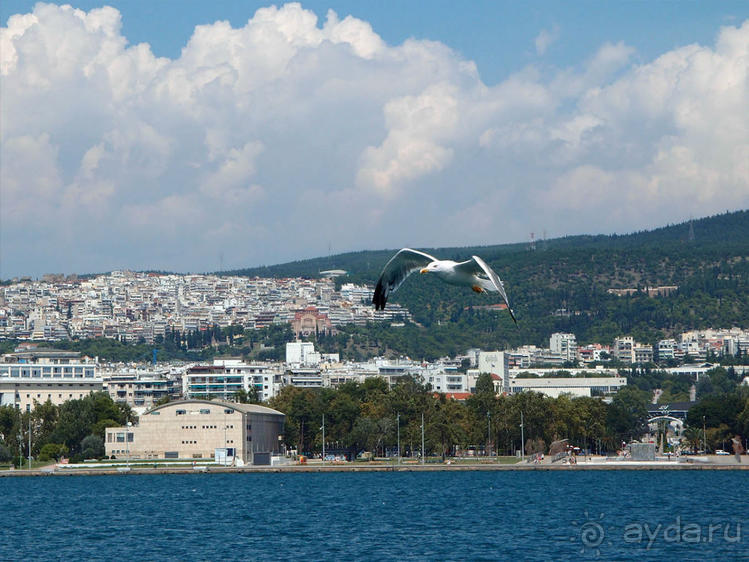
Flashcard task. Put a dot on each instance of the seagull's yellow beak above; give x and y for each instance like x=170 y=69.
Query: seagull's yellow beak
x=424 y=270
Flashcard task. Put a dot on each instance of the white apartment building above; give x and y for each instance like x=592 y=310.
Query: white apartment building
x=224 y=377
x=628 y=351
x=564 y=345
x=140 y=388
x=46 y=374
x=667 y=349
x=302 y=354
x=624 y=349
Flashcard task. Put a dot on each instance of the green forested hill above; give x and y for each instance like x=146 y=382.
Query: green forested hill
x=562 y=286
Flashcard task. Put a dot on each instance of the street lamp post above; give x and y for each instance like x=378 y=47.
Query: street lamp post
x=29 y=441
x=127 y=444
x=423 y=454
x=522 y=437
x=704 y=436
x=20 y=450
x=398 y=423
x=323 y=438
x=488 y=432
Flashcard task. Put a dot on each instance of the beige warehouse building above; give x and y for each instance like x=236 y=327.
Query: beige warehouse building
x=201 y=429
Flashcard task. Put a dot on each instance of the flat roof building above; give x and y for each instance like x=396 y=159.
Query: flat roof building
x=41 y=375
x=577 y=386
x=201 y=429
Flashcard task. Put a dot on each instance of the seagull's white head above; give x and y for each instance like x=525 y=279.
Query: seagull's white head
x=432 y=267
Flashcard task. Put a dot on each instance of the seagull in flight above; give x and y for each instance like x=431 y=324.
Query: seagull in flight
x=473 y=273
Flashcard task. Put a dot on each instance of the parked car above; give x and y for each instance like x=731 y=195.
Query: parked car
x=722 y=452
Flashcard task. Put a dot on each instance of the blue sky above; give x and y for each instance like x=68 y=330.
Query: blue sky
x=498 y=35
x=287 y=132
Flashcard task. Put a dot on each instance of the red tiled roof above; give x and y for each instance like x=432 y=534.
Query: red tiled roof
x=455 y=395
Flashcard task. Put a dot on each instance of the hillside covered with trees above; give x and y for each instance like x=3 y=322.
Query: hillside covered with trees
x=563 y=285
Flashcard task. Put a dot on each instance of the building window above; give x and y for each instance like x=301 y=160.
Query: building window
x=205 y=411
x=228 y=411
x=181 y=412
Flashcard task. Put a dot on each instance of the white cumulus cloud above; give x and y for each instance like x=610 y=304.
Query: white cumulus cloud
x=281 y=138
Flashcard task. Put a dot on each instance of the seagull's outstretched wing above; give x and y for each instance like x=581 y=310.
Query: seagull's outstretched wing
x=477 y=266
x=400 y=266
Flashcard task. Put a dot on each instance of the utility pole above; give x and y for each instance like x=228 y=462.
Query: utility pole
x=423 y=454
x=522 y=437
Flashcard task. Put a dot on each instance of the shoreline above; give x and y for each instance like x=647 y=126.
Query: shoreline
x=622 y=465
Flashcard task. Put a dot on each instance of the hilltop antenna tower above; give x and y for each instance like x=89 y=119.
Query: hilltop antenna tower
x=691 y=230
x=532 y=243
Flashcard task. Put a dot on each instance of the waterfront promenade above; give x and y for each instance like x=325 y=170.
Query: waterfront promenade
x=710 y=462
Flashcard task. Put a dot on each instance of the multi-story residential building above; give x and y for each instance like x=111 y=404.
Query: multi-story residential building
x=225 y=377
x=449 y=379
x=564 y=345
x=643 y=353
x=302 y=354
x=623 y=349
x=304 y=377
x=38 y=375
x=140 y=389
x=695 y=349
x=667 y=350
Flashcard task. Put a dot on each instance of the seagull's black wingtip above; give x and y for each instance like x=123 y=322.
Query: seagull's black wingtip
x=379 y=298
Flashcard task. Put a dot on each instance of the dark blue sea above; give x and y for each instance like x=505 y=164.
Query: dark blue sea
x=508 y=515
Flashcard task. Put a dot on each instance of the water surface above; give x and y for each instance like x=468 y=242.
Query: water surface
x=406 y=515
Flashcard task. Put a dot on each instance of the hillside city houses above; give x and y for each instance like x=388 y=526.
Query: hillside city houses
x=136 y=307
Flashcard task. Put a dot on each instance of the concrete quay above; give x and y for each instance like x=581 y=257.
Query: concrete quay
x=708 y=464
